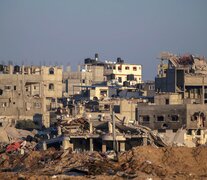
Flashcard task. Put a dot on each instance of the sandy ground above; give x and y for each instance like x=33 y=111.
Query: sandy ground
x=139 y=163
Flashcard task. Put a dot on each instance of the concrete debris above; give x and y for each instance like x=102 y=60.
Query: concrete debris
x=140 y=162
x=11 y=134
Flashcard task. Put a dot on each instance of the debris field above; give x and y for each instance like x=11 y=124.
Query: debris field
x=139 y=163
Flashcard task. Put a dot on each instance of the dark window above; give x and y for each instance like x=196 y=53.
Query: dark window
x=51 y=86
x=189 y=132
x=116 y=108
x=83 y=81
x=119 y=68
x=15 y=88
x=106 y=106
x=134 y=68
x=51 y=71
x=161 y=130
x=160 y=118
x=120 y=79
x=1 y=91
x=127 y=68
x=174 y=118
x=167 y=101
x=165 y=126
x=198 y=132
x=103 y=92
x=7 y=87
x=35 y=87
x=146 y=118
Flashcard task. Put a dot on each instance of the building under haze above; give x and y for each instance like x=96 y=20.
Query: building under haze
x=96 y=72
x=29 y=92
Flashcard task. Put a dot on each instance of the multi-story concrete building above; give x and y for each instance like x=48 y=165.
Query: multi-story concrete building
x=74 y=80
x=186 y=75
x=96 y=67
x=180 y=102
x=123 y=73
x=147 y=88
x=29 y=92
x=93 y=71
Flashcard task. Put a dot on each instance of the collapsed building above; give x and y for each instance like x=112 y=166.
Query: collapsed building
x=180 y=102
x=29 y=92
x=185 y=75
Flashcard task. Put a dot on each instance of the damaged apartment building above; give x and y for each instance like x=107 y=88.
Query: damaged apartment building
x=97 y=73
x=180 y=101
x=29 y=92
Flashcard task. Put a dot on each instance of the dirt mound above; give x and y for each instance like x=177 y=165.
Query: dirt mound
x=140 y=162
x=166 y=162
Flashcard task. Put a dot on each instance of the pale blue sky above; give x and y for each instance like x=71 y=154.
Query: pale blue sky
x=67 y=31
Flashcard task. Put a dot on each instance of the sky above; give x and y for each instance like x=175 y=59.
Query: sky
x=63 y=32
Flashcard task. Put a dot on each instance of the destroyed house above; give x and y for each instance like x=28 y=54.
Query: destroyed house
x=186 y=75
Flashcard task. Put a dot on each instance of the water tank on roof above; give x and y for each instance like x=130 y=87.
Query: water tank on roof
x=16 y=68
x=96 y=56
x=88 y=61
x=119 y=60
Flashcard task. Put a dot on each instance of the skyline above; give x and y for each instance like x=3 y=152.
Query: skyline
x=67 y=32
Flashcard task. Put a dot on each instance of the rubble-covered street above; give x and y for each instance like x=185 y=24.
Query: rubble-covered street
x=141 y=163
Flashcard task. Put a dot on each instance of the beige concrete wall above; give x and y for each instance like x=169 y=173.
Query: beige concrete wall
x=77 y=79
x=27 y=93
x=195 y=80
x=126 y=69
x=174 y=98
x=96 y=92
x=97 y=73
x=128 y=109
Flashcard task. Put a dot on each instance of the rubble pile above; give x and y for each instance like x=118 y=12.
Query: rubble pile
x=140 y=162
x=11 y=134
x=166 y=162
x=81 y=125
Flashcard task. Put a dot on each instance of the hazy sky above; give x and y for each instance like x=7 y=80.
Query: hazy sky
x=68 y=31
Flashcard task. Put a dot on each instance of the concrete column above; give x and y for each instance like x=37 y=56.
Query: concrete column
x=144 y=140
x=29 y=70
x=110 y=127
x=90 y=127
x=91 y=144
x=66 y=143
x=11 y=68
x=59 y=131
x=44 y=146
x=22 y=69
x=103 y=146
x=122 y=146
x=117 y=146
